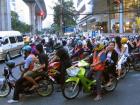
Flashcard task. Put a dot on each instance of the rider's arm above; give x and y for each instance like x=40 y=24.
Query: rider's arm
x=123 y=50
x=22 y=63
x=42 y=61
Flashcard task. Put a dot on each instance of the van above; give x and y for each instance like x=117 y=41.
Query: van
x=11 y=43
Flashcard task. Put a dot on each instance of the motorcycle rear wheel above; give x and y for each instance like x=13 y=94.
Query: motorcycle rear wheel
x=113 y=85
x=124 y=71
x=70 y=90
x=46 y=88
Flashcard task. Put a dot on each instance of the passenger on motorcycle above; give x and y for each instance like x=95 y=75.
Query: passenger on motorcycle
x=123 y=55
x=28 y=66
x=98 y=66
x=111 y=61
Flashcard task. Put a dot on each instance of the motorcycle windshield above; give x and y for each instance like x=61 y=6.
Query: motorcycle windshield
x=83 y=63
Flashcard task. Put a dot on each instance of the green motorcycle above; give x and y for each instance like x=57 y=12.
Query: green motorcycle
x=78 y=81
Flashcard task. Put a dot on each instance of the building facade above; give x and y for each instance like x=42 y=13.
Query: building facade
x=110 y=16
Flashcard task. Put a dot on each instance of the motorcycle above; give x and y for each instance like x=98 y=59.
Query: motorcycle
x=53 y=71
x=136 y=61
x=78 y=80
x=8 y=83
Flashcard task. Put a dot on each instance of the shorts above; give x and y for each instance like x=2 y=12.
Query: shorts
x=32 y=74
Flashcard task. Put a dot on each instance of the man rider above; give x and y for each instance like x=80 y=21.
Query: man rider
x=98 y=66
x=40 y=66
x=28 y=65
x=64 y=58
x=78 y=51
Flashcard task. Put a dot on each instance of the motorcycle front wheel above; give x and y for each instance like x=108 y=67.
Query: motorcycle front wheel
x=70 y=90
x=46 y=88
x=5 y=89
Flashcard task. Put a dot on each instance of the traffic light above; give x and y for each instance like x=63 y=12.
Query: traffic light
x=41 y=13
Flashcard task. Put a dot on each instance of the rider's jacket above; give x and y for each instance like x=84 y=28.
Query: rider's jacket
x=96 y=58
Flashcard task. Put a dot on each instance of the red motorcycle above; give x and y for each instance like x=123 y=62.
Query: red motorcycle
x=53 y=70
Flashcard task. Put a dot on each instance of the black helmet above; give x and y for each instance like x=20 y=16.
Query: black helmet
x=57 y=46
x=39 y=47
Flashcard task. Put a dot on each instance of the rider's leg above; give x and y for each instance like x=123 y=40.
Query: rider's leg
x=17 y=91
x=98 y=76
x=119 y=67
x=18 y=88
x=29 y=77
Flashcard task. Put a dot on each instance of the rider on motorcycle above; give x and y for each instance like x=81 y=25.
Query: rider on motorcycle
x=78 y=51
x=28 y=66
x=98 y=66
x=123 y=55
x=65 y=61
x=40 y=65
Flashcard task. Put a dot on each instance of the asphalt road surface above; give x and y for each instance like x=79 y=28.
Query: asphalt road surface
x=126 y=93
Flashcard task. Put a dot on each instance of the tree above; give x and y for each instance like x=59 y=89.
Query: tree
x=68 y=11
x=17 y=24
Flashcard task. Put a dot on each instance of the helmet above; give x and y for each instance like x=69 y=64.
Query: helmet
x=57 y=46
x=99 y=47
x=124 y=40
x=79 y=43
x=27 y=48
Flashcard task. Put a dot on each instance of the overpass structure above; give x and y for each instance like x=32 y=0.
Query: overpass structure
x=37 y=10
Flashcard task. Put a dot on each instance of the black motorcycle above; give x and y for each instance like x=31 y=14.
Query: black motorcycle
x=8 y=83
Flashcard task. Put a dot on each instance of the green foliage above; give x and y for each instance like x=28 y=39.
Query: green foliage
x=18 y=25
x=68 y=15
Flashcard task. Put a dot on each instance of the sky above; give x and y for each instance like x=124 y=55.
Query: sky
x=49 y=6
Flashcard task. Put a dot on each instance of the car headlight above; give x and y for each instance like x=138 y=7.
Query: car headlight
x=73 y=71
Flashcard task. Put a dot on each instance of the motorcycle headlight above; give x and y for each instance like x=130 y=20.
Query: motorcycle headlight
x=73 y=71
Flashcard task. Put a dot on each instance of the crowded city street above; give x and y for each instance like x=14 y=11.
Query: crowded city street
x=69 y=52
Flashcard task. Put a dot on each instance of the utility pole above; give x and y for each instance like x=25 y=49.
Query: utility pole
x=121 y=20
x=61 y=18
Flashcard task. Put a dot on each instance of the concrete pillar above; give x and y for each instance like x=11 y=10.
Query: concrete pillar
x=39 y=23
x=109 y=17
x=32 y=16
x=5 y=15
x=121 y=17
